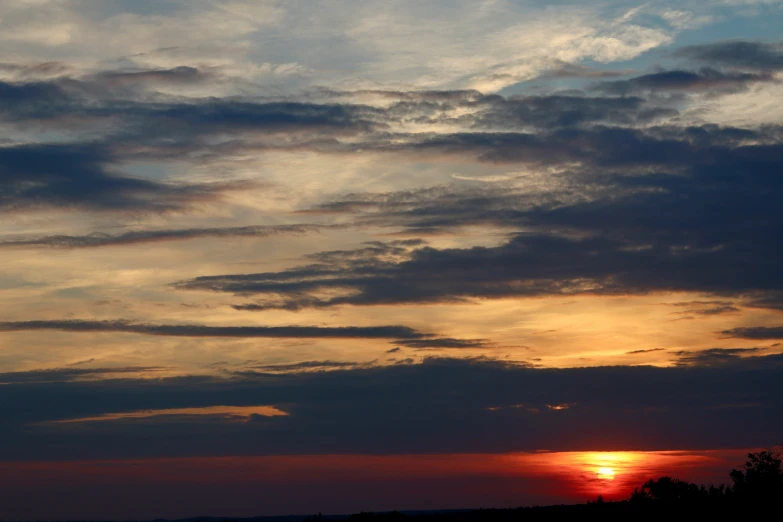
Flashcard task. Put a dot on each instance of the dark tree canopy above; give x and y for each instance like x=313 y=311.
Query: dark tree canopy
x=761 y=477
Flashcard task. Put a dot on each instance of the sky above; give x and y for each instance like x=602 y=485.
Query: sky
x=271 y=257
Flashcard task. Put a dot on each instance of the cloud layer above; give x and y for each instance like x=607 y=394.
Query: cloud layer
x=455 y=405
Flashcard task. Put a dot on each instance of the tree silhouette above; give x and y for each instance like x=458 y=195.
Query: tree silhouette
x=760 y=478
x=668 y=490
x=759 y=482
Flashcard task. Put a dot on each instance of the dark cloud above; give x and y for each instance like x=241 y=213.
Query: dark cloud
x=712 y=356
x=150 y=236
x=176 y=75
x=512 y=112
x=86 y=361
x=558 y=129
x=73 y=175
x=394 y=350
x=372 y=410
x=443 y=342
x=651 y=350
x=612 y=259
x=663 y=209
x=139 y=116
x=767 y=299
x=29 y=100
x=209 y=117
x=556 y=111
x=705 y=80
x=192 y=330
x=706 y=307
x=718 y=310
x=35 y=69
x=755 y=332
x=71 y=374
x=303 y=366
x=604 y=147
x=701 y=304
x=762 y=56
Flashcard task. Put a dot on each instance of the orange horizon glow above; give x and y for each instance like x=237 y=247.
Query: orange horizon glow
x=243 y=486
x=590 y=473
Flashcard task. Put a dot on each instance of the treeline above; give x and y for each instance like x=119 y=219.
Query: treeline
x=758 y=481
x=756 y=489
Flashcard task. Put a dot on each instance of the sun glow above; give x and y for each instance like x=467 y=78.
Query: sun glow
x=611 y=474
x=606 y=473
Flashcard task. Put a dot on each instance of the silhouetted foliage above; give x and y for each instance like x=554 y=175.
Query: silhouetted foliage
x=668 y=490
x=760 y=479
x=758 y=483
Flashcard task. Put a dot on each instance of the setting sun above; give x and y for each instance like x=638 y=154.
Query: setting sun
x=606 y=473
x=429 y=261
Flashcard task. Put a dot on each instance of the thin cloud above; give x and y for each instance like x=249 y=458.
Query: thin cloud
x=152 y=236
x=242 y=413
x=755 y=332
x=192 y=330
x=737 y=53
x=712 y=356
x=705 y=80
x=70 y=374
x=651 y=350
x=443 y=342
x=305 y=366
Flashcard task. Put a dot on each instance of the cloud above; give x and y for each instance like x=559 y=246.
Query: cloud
x=708 y=308
x=529 y=264
x=555 y=111
x=30 y=100
x=442 y=342
x=755 y=332
x=605 y=210
x=79 y=176
x=370 y=410
x=718 y=310
x=71 y=374
x=651 y=350
x=705 y=80
x=301 y=366
x=712 y=356
x=151 y=236
x=176 y=75
x=192 y=330
x=748 y=55
x=43 y=70
x=230 y=413
x=572 y=70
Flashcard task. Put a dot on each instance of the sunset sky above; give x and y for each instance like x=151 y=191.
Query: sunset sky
x=266 y=257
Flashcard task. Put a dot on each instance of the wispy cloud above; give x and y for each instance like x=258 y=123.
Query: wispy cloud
x=443 y=342
x=151 y=236
x=71 y=374
x=755 y=332
x=193 y=330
